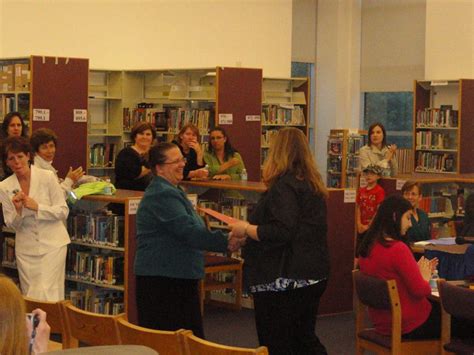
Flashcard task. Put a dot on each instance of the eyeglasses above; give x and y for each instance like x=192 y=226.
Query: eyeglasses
x=216 y=138
x=177 y=161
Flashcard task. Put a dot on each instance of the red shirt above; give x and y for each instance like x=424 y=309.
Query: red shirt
x=396 y=262
x=368 y=200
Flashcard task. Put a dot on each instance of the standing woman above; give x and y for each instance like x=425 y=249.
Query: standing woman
x=171 y=239
x=132 y=170
x=286 y=254
x=34 y=206
x=12 y=126
x=224 y=162
x=377 y=152
x=188 y=143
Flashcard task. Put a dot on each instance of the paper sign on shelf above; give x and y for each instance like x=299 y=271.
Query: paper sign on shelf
x=226 y=118
x=251 y=118
x=400 y=184
x=41 y=114
x=133 y=206
x=349 y=196
x=80 y=115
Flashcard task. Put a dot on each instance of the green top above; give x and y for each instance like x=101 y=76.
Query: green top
x=214 y=164
x=421 y=229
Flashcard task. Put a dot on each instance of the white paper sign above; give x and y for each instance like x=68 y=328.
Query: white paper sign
x=41 y=114
x=133 y=206
x=226 y=118
x=400 y=184
x=252 y=117
x=349 y=195
x=80 y=115
x=194 y=199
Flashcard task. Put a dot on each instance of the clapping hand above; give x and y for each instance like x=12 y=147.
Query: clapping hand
x=75 y=174
x=425 y=268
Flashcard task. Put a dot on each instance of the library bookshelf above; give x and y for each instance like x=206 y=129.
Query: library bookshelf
x=443 y=125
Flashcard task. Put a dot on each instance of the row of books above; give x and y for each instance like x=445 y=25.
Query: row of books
x=156 y=117
x=102 y=155
x=8 y=251
x=274 y=114
x=435 y=162
x=97 y=300
x=334 y=181
x=405 y=161
x=99 y=228
x=334 y=164
x=103 y=269
x=229 y=206
x=436 y=117
x=267 y=136
x=434 y=140
x=354 y=143
x=435 y=204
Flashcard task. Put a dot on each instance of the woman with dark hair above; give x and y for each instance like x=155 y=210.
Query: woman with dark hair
x=420 y=223
x=132 y=170
x=188 y=143
x=171 y=239
x=384 y=253
x=44 y=143
x=224 y=162
x=377 y=152
x=34 y=206
x=286 y=255
x=13 y=126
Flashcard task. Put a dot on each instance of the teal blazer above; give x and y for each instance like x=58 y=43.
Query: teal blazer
x=171 y=236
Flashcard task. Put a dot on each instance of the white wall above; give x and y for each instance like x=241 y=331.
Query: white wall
x=449 y=39
x=393 y=44
x=138 y=34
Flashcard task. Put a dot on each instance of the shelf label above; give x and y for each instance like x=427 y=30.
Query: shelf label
x=226 y=118
x=41 y=114
x=80 y=115
x=133 y=206
x=400 y=184
x=252 y=118
x=349 y=195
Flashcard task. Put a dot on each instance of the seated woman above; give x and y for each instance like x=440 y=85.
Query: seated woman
x=377 y=151
x=15 y=330
x=420 y=223
x=132 y=171
x=188 y=143
x=224 y=162
x=384 y=253
x=44 y=143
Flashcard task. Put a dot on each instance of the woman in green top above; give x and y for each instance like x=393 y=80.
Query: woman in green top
x=224 y=162
x=420 y=223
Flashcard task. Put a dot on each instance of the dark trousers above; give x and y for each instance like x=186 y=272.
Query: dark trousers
x=165 y=303
x=286 y=320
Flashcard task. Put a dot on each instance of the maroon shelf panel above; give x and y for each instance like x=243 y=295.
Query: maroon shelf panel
x=338 y=295
x=60 y=85
x=240 y=93
x=466 y=123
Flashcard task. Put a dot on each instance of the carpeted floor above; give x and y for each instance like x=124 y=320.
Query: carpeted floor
x=238 y=328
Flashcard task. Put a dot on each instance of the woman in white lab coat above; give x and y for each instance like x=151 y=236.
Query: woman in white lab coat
x=34 y=206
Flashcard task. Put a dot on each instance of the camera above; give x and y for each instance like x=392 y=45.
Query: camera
x=33 y=319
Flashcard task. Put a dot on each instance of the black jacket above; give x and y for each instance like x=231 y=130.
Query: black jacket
x=292 y=229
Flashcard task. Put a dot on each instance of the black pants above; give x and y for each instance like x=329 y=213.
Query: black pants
x=169 y=304
x=286 y=320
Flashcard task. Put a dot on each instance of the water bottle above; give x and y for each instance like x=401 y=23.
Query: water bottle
x=434 y=280
x=243 y=175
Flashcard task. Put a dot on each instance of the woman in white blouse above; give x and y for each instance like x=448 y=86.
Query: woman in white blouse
x=34 y=206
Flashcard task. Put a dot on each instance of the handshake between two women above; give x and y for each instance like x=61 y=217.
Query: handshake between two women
x=240 y=231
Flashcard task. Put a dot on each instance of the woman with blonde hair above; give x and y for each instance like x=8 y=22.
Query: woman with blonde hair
x=286 y=253
x=15 y=330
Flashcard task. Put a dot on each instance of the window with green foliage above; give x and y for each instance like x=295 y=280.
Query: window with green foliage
x=395 y=111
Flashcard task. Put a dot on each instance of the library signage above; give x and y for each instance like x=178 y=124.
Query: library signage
x=80 y=115
x=41 y=114
x=226 y=118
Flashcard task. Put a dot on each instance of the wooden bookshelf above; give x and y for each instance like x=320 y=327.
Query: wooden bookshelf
x=443 y=125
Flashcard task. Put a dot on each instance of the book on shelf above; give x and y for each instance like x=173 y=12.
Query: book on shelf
x=435 y=162
x=102 y=155
x=277 y=114
x=97 y=300
x=8 y=251
x=437 y=117
x=335 y=146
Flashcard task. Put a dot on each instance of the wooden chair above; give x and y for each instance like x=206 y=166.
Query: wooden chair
x=213 y=265
x=383 y=294
x=55 y=319
x=458 y=302
x=164 y=342
x=197 y=346
x=90 y=328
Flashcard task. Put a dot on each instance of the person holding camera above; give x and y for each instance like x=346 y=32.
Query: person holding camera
x=17 y=332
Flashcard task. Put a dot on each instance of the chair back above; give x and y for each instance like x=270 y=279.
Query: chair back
x=164 y=342
x=91 y=328
x=456 y=300
x=53 y=312
x=371 y=291
x=197 y=346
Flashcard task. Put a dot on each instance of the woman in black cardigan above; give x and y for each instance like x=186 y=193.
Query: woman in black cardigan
x=286 y=254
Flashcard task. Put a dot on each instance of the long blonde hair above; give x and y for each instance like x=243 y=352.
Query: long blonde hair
x=13 y=337
x=289 y=153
